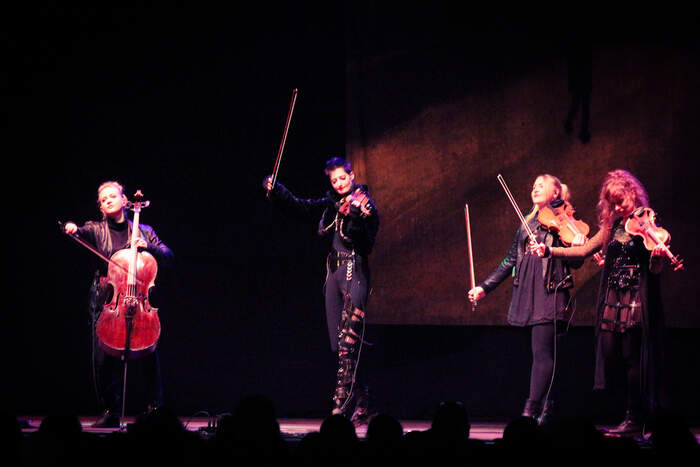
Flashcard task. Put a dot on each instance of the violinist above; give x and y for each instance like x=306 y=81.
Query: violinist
x=629 y=317
x=350 y=220
x=108 y=236
x=540 y=295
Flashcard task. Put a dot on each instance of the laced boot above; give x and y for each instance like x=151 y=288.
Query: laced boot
x=364 y=407
x=343 y=385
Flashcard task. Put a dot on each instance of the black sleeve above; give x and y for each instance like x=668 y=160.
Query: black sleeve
x=88 y=232
x=362 y=230
x=156 y=247
x=505 y=267
x=305 y=208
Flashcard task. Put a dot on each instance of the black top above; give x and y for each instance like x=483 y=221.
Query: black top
x=352 y=232
x=534 y=279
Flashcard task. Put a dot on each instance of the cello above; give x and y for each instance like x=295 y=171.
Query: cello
x=128 y=325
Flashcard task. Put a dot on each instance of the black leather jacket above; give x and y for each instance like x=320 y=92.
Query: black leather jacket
x=358 y=232
x=553 y=270
x=97 y=233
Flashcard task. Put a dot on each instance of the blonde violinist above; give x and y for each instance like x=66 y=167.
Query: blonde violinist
x=540 y=294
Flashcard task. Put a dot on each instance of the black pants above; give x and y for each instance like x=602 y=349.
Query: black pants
x=346 y=292
x=143 y=379
x=143 y=373
x=335 y=289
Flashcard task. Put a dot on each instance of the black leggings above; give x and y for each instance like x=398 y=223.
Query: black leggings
x=625 y=348
x=542 y=342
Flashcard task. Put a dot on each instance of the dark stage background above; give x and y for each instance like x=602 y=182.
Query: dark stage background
x=188 y=105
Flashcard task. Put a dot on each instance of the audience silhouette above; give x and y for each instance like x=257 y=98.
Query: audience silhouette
x=251 y=435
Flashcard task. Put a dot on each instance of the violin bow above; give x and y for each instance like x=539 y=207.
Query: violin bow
x=470 y=255
x=275 y=170
x=517 y=209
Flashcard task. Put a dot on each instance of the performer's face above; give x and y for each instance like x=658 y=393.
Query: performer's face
x=622 y=207
x=620 y=200
x=543 y=191
x=341 y=181
x=112 y=201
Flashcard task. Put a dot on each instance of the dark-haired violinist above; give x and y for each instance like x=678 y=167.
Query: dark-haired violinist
x=350 y=219
x=107 y=236
x=629 y=315
x=540 y=294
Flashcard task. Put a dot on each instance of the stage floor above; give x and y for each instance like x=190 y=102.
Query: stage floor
x=296 y=428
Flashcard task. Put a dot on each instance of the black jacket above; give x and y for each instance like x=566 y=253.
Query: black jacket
x=97 y=233
x=358 y=231
x=553 y=270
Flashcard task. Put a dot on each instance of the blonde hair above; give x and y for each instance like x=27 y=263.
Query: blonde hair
x=565 y=192
x=557 y=185
x=107 y=184
x=619 y=186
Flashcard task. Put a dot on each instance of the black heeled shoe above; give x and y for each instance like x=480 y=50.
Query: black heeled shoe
x=630 y=425
x=532 y=409
x=364 y=407
x=548 y=413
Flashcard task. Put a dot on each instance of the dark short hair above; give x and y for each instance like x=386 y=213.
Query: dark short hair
x=335 y=162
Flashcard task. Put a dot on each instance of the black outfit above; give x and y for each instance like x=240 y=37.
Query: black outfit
x=347 y=279
x=540 y=301
x=109 y=237
x=629 y=318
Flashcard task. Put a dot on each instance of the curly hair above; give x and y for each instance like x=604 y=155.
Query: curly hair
x=619 y=187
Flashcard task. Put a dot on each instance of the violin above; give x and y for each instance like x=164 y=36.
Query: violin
x=642 y=223
x=128 y=324
x=558 y=217
x=358 y=198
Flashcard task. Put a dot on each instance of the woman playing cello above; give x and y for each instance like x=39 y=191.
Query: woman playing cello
x=108 y=236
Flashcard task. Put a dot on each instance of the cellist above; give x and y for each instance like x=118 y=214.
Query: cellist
x=108 y=236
